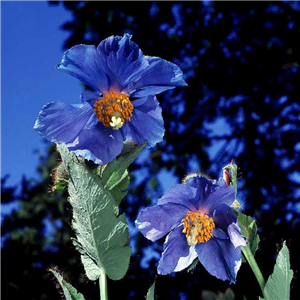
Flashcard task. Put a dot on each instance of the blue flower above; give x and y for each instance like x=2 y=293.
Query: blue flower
x=121 y=107
x=198 y=221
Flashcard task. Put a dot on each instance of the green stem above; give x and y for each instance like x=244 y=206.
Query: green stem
x=103 y=285
x=253 y=264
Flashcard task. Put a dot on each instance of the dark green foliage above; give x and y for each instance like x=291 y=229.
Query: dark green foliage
x=37 y=236
x=241 y=62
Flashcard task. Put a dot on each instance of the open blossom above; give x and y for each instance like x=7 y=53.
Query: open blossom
x=198 y=221
x=121 y=107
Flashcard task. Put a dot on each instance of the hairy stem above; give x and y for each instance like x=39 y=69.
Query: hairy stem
x=253 y=264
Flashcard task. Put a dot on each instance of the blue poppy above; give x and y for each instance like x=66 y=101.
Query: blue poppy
x=198 y=221
x=122 y=106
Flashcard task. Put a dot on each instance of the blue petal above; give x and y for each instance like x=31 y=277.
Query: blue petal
x=221 y=195
x=145 y=125
x=121 y=59
x=203 y=187
x=219 y=234
x=146 y=104
x=157 y=221
x=226 y=220
x=177 y=254
x=99 y=144
x=62 y=122
x=90 y=97
x=211 y=193
x=223 y=216
x=83 y=62
x=220 y=258
x=179 y=194
x=132 y=72
x=185 y=261
x=161 y=75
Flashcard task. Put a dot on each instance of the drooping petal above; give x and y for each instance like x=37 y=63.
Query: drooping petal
x=157 y=221
x=61 y=122
x=83 y=62
x=220 y=258
x=226 y=220
x=159 y=76
x=121 y=59
x=177 y=254
x=145 y=126
x=99 y=144
x=235 y=235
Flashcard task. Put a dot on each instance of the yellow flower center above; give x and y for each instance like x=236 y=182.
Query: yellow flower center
x=113 y=109
x=198 y=227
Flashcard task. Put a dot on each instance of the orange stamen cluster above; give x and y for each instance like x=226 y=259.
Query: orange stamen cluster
x=198 y=227
x=115 y=105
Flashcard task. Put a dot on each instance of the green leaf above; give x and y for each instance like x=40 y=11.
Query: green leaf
x=115 y=176
x=249 y=231
x=101 y=234
x=120 y=189
x=150 y=294
x=69 y=291
x=209 y=295
x=278 y=284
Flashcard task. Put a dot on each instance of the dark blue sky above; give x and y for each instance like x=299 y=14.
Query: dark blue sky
x=31 y=41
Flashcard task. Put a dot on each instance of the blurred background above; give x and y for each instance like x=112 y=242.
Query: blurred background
x=241 y=63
